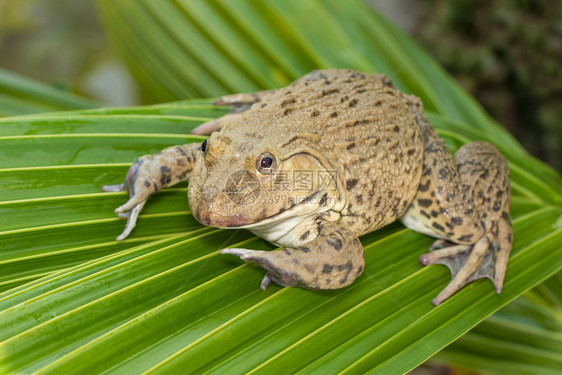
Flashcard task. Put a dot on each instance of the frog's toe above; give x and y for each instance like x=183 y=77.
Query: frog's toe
x=237 y=99
x=131 y=217
x=215 y=125
x=274 y=262
x=486 y=258
x=266 y=281
x=242 y=253
x=504 y=239
x=114 y=188
x=207 y=128
x=132 y=203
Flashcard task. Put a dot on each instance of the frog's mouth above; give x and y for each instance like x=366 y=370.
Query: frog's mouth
x=250 y=218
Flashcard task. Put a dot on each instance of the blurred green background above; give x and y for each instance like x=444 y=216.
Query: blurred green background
x=506 y=53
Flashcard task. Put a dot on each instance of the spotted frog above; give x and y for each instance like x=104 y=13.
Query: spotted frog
x=336 y=154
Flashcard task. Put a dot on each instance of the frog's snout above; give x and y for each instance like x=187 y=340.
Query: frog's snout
x=212 y=210
x=202 y=212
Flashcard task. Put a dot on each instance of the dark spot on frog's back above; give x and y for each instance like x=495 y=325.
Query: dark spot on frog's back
x=425 y=202
x=355 y=74
x=329 y=92
x=327 y=269
x=387 y=82
x=305 y=235
x=424 y=187
x=164 y=169
x=351 y=183
x=314 y=113
x=352 y=103
x=457 y=220
x=286 y=102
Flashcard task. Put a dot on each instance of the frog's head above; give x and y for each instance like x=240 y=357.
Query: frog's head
x=246 y=180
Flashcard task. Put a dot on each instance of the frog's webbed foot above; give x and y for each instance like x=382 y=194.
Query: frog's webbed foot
x=138 y=194
x=486 y=258
x=331 y=261
x=238 y=103
x=148 y=175
x=131 y=217
x=273 y=264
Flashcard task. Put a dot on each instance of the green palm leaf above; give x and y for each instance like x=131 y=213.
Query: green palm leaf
x=164 y=299
x=21 y=96
x=522 y=338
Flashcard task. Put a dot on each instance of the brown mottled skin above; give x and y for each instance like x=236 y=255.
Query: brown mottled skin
x=368 y=156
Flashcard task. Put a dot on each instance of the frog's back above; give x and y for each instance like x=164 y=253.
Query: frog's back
x=364 y=129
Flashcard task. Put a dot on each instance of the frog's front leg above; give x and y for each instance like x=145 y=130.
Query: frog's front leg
x=149 y=174
x=332 y=260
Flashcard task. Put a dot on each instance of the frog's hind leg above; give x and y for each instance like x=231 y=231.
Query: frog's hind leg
x=467 y=208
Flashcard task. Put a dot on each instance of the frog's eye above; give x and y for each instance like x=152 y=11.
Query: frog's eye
x=266 y=163
x=204 y=146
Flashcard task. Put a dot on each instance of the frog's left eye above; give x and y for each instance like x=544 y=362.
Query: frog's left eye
x=204 y=146
x=266 y=163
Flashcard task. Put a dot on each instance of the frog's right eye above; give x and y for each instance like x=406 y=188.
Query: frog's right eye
x=204 y=146
x=266 y=163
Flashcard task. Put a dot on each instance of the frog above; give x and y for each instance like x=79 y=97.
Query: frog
x=313 y=166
